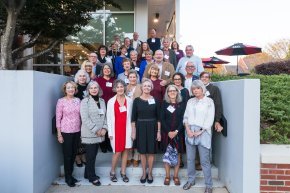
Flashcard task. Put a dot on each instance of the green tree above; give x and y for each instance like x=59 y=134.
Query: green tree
x=46 y=22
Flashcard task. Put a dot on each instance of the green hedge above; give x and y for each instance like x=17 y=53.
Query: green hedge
x=275 y=106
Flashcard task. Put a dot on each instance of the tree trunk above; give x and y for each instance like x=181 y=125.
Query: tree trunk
x=7 y=40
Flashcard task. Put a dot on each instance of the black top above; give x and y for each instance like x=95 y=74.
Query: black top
x=185 y=95
x=215 y=95
x=154 y=45
x=171 y=121
x=81 y=94
x=143 y=110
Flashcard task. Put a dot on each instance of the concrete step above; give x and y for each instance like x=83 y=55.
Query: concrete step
x=135 y=181
x=103 y=167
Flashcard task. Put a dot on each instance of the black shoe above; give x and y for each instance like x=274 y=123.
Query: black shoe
x=86 y=177
x=70 y=183
x=124 y=177
x=143 y=180
x=181 y=165
x=96 y=182
x=149 y=181
x=74 y=180
x=188 y=185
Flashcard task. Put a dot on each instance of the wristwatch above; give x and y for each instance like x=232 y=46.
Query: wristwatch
x=176 y=131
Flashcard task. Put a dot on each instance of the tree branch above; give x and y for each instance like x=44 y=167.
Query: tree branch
x=28 y=44
x=52 y=45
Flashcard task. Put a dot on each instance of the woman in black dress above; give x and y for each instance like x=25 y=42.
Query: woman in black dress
x=146 y=128
x=172 y=129
x=178 y=79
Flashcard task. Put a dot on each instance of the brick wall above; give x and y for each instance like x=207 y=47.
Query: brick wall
x=275 y=178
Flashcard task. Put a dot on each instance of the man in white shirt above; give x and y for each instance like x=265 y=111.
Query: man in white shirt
x=93 y=58
x=190 y=57
x=189 y=77
x=135 y=42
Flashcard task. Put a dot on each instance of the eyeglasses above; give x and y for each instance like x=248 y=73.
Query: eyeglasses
x=93 y=56
x=190 y=66
x=177 y=79
x=172 y=91
x=205 y=77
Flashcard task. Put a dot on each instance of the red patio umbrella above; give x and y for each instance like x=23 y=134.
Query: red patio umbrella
x=239 y=49
x=214 y=60
x=207 y=65
x=208 y=62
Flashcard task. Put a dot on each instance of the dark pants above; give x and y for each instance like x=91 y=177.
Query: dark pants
x=91 y=154
x=69 y=147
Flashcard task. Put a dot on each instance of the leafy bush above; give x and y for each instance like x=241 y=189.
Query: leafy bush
x=271 y=68
x=275 y=106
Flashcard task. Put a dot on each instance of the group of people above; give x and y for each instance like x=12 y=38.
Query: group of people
x=138 y=110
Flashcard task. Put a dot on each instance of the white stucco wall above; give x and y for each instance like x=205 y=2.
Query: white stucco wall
x=141 y=19
x=237 y=155
x=30 y=154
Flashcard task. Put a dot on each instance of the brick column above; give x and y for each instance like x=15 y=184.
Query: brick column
x=275 y=169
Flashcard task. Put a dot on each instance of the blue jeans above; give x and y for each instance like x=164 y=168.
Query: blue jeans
x=204 y=154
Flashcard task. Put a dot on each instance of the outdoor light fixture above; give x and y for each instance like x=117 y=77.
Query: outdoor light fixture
x=156 y=19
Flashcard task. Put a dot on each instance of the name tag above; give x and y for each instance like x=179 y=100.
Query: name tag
x=109 y=84
x=207 y=93
x=101 y=112
x=167 y=73
x=171 y=109
x=166 y=57
x=153 y=40
x=137 y=69
x=176 y=53
x=122 y=109
x=151 y=101
x=126 y=80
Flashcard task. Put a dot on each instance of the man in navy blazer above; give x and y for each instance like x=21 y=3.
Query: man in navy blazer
x=154 y=42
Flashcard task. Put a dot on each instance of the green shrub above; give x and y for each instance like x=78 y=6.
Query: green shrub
x=275 y=106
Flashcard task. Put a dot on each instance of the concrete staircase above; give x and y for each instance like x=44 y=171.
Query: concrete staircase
x=103 y=166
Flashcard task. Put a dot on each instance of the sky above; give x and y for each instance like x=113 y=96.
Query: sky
x=220 y=23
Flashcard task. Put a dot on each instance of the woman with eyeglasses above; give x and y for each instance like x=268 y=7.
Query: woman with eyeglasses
x=178 y=80
x=172 y=111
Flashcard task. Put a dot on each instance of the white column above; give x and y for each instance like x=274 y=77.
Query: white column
x=141 y=19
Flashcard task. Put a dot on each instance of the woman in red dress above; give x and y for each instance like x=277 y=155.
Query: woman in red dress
x=119 y=128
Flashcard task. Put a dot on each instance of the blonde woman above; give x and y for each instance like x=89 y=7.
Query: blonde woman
x=133 y=91
x=88 y=67
x=146 y=128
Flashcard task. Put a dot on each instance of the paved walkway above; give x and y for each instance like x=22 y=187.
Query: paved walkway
x=126 y=189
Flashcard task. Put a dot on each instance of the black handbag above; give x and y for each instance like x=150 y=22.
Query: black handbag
x=53 y=125
x=224 y=124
